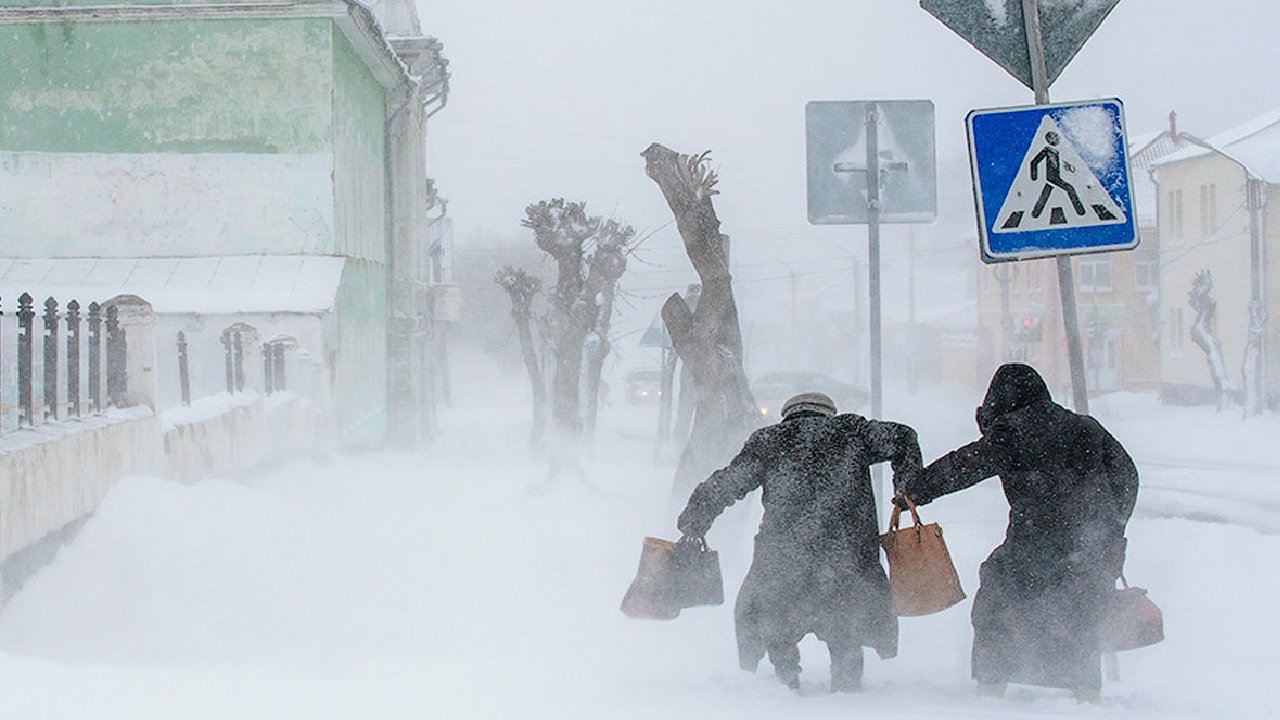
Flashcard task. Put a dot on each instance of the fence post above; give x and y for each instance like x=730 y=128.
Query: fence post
x=253 y=349
x=277 y=360
x=26 y=318
x=95 y=356
x=116 y=377
x=268 y=384
x=184 y=376
x=237 y=353
x=73 y=358
x=239 y=340
x=50 y=338
x=136 y=349
x=229 y=361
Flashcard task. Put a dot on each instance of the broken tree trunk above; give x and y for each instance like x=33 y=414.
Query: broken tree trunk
x=707 y=337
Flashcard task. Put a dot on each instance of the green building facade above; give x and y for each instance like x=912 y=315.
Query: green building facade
x=187 y=129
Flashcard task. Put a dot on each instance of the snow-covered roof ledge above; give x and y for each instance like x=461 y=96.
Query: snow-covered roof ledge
x=361 y=27
x=354 y=18
x=305 y=284
x=1254 y=144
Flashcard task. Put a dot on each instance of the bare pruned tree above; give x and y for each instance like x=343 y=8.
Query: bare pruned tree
x=522 y=287
x=707 y=337
x=605 y=265
x=590 y=256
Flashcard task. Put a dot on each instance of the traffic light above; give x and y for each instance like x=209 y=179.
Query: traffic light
x=1032 y=329
x=1028 y=329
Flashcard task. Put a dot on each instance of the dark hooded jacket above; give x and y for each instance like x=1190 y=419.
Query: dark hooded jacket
x=817 y=558
x=1071 y=488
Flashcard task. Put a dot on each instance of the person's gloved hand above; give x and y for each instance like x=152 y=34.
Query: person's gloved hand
x=691 y=525
x=696 y=542
x=900 y=501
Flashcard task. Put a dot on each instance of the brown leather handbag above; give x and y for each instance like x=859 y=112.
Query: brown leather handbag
x=1130 y=620
x=921 y=575
x=673 y=576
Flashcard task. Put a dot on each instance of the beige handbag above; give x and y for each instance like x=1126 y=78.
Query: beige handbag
x=921 y=575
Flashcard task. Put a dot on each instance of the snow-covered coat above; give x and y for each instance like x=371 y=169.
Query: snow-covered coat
x=1071 y=488
x=817 y=558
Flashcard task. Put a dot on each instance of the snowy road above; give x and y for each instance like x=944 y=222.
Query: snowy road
x=457 y=585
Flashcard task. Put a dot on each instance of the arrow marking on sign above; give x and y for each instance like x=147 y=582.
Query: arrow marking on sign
x=1055 y=189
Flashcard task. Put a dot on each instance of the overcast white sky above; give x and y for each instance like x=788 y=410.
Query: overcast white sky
x=558 y=98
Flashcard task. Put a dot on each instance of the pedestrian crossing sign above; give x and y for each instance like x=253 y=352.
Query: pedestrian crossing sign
x=1051 y=180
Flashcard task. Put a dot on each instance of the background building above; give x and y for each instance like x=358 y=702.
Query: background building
x=1219 y=212
x=1117 y=298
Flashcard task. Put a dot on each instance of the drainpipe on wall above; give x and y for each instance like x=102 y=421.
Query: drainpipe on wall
x=395 y=331
x=1159 y=325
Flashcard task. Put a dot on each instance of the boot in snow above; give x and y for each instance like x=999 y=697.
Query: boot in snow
x=786 y=664
x=846 y=669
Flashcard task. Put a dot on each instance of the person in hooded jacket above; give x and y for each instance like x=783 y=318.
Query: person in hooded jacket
x=816 y=567
x=1071 y=488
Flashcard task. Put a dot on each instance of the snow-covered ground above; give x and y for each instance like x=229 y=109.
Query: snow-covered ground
x=459 y=584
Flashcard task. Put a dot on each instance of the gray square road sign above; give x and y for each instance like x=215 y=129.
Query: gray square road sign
x=836 y=151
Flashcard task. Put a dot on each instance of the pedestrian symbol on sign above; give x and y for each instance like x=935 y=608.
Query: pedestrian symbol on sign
x=1054 y=178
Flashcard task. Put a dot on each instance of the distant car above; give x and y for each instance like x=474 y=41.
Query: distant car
x=644 y=385
x=771 y=390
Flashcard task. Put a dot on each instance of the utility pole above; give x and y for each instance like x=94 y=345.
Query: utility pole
x=795 y=319
x=1005 y=274
x=858 y=317
x=1256 y=346
x=873 y=275
x=913 y=362
x=1066 y=281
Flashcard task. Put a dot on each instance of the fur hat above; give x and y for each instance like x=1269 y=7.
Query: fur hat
x=811 y=402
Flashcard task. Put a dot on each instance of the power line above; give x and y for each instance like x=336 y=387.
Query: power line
x=454 y=120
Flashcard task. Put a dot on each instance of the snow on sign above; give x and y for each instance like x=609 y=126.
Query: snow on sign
x=1051 y=180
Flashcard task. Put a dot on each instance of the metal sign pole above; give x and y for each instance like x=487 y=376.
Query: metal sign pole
x=873 y=272
x=1066 y=281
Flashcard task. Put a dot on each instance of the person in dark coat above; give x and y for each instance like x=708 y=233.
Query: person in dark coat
x=1071 y=488
x=817 y=559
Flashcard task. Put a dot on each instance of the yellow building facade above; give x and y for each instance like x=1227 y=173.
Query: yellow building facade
x=1210 y=220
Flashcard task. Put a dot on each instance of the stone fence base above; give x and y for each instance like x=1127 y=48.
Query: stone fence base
x=54 y=476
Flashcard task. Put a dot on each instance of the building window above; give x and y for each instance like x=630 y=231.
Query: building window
x=1173 y=213
x=1094 y=274
x=1208 y=210
x=1146 y=274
